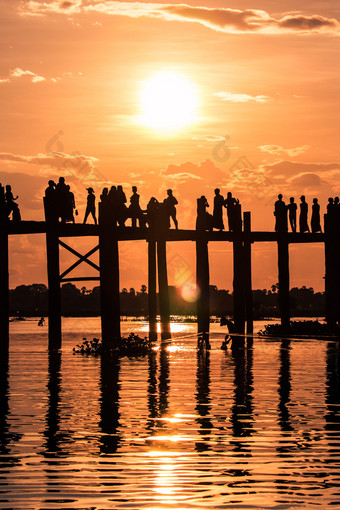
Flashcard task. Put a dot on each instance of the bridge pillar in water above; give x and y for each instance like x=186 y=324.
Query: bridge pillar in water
x=163 y=290
x=331 y=272
x=54 y=292
x=152 y=290
x=283 y=266
x=248 y=291
x=4 y=289
x=202 y=281
x=109 y=285
x=238 y=286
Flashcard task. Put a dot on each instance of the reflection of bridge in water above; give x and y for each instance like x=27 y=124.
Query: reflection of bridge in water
x=107 y=240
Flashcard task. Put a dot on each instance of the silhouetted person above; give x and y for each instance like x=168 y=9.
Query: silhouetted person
x=91 y=205
x=233 y=211
x=171 y=202
x=51 y=205
x=41 y=321
x=292 y=207
x=218 y=210
x=303 y=220
x=337 y=211
x=120 y=206
x=112 y=207
x=237 y=215
x=12 y=206
x=315 y=221
x=70 y=204
x=204 y=220
x=280 y=213
x=3 y=207
x=330 y=206
x=104 y=197
x=135 y=210
x=152 y=211
x=61 y=198
x=163 y=218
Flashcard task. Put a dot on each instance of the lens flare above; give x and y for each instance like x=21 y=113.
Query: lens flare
x=190 y=292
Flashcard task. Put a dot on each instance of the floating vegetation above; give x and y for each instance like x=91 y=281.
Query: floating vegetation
x=300 y=329
x=131 y=346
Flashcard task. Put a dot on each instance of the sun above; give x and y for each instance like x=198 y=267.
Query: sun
x=169 y=102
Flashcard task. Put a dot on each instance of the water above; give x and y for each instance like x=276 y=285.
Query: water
x=175 y=430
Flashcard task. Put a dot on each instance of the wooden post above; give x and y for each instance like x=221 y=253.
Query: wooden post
x=54 y=293
x=283 y=263
x=163 y=290
x=109 y=285
x=152 y=290
x=4 y=290
x=202 y=281
x=330 y=273
x=238 y=286
x=248 y=291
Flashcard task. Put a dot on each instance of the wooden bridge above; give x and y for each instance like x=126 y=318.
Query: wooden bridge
x=107 y=239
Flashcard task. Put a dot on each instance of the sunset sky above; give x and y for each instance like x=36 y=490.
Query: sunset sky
x=151 y=94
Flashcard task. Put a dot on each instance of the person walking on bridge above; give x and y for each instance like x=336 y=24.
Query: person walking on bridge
x=91 y=206
x=170 y=203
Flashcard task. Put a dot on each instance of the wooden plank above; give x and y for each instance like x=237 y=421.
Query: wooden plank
x=81 y=279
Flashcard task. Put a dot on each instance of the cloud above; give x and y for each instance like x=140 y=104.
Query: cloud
x=77 y=165
x=307 y=180
x=285 y=169
x=20 y=73
x=40 y=8
x=34 y=78
x=219 y=19
x=241 y=98
x=277 y=149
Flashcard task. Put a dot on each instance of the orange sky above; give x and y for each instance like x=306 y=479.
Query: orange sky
x=266 y=76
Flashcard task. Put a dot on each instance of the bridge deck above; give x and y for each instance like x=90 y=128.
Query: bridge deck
x=135 y=234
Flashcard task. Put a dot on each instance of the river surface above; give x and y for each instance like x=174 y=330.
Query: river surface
x=248 y=428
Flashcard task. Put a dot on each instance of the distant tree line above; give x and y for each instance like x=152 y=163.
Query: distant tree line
x=31 y=300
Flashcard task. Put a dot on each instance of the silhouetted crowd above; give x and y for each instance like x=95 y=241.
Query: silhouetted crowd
x=60 y=206
x=283 y=212
x=114 y=209
x=207 y=221
x=8 y=205
x=59 y=202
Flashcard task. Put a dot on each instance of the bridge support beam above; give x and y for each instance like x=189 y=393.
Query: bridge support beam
x=248 y=291
x=163 y=290
x=4 y=290
x=332 y=272
x=54 y=292
x=283 y=263
x=238 y=287
x=109 y=287
x=202 y=281
x=152 y=290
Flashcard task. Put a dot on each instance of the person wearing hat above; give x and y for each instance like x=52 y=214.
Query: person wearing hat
x=303 y=220
x=91 y=205
x=170 y=203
